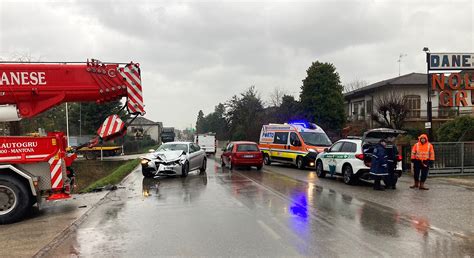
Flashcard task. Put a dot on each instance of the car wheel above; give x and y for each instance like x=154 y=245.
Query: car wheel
x=259 y=167
x=320 y=169
x=147 y=173
x=203 y=166
x=266 y=159
x=349 y=177
x=300 y=162
x=185 y=170
x=14 y=199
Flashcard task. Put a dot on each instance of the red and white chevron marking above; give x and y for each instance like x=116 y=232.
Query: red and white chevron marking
x=55 y=166
x=112 y=125
x=134 y=89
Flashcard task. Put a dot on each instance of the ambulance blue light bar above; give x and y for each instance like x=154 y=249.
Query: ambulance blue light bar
x=303 y=123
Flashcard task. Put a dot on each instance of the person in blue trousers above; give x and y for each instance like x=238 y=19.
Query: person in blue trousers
x=378 y=168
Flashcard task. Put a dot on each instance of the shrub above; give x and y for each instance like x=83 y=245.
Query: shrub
x=460 y=129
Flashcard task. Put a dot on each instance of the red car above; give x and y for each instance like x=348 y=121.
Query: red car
x=242 y=154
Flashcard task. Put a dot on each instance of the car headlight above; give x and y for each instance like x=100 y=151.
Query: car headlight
x=311 y=150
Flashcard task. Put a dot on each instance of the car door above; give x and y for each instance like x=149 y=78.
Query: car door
x=200 y=154
x=295 y=145
x=280 y=143
x=227 y=153
x=346 y=152
x=329 y=157
x=192 y=157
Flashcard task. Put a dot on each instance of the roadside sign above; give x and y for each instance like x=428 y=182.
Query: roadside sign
x=427 y=125
x=451 y=61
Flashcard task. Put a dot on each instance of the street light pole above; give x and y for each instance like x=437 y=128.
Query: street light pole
x=429 y=104
x=67 y=125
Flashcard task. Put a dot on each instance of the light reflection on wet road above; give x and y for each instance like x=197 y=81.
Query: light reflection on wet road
x=250 y=213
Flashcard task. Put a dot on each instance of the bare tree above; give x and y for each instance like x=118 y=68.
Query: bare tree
x=276 y=96
x=355 y=85
x=391 y=110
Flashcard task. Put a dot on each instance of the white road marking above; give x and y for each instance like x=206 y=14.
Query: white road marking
x=268 y=229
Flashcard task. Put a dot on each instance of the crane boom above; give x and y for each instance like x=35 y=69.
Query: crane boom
x=40 y=166
x=29 y=89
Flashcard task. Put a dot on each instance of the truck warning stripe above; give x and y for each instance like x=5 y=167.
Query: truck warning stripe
x=112 y=125
x=56 y=172
x=133 y=83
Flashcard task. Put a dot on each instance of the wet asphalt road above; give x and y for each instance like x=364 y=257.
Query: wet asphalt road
x=249 y=212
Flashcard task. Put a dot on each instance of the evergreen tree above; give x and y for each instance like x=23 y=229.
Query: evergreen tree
x=321 y=96
x=245 y=115
x=199 y=122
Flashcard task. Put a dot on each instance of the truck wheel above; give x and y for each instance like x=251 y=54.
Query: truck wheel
x=90 y=155
x=14 y=199
x=266 y=159
x=300 y=162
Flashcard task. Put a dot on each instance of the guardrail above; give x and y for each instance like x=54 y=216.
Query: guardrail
x=451 y=158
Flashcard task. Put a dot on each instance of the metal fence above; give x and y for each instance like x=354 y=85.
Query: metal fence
x=452 y=158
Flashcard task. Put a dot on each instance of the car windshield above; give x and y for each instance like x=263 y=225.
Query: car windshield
x=246 y=147
x=315 y=139
x=173 y=147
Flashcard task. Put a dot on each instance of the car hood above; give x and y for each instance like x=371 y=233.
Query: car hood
x=166 y=156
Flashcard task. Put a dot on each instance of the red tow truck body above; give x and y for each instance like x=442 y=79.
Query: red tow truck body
x=37 y=168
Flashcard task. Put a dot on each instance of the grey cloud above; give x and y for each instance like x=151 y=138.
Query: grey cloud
x=195 y=54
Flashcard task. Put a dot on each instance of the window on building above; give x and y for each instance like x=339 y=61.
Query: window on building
x=413 y=103
x=358 y=110
x=370 y=107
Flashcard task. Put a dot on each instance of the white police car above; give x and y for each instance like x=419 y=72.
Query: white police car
x=351 y=157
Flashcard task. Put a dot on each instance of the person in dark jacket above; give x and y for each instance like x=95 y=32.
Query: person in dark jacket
x=378 y=168
x=392 y=152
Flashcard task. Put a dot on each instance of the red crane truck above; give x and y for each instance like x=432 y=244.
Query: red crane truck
x=37 y=168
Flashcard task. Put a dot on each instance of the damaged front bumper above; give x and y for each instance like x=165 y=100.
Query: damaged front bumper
x=163 y=168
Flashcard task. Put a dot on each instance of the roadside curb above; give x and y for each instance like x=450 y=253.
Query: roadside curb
x=63 y=235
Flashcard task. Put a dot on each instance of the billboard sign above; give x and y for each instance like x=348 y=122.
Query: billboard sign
x=451 y=61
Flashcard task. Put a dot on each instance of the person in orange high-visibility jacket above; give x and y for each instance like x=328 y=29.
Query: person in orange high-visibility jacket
x=422 y=157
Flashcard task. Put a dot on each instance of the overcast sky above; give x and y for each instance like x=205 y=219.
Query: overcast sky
x=195 y=54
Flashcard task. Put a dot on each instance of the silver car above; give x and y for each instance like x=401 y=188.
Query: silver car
x=174 y=158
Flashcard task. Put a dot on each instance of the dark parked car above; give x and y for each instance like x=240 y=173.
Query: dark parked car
x=242 y=153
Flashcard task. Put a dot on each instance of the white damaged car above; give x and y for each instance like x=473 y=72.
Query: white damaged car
x=174 y=158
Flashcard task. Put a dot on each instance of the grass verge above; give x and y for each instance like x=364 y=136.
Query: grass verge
x=115 y=177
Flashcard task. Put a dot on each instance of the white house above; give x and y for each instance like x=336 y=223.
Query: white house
x=361 y=103
x=142 y=126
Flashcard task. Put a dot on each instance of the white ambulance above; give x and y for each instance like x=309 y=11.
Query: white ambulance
x=296 y=143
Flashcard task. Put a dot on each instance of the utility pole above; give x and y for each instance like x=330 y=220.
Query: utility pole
x=80 y=119
x=67 y=125
x=429 y=113
x=399 y=62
